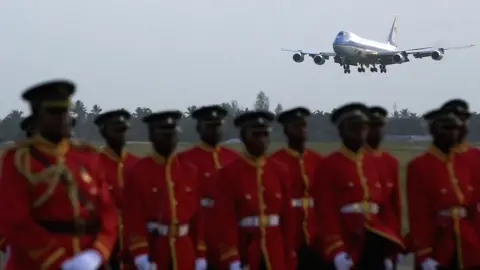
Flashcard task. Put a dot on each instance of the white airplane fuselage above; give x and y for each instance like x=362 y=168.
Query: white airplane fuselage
x=355 y=48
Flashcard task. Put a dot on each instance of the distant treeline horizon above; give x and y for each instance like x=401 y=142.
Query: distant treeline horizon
x=402 y=123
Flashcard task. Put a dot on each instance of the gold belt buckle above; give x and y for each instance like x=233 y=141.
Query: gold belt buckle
x=264 y=221
x=456 y=212
x=173 y=230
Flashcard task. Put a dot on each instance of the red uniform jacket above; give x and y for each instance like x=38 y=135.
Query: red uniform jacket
x=164 y=193
x=440 y=192
x=352 y=196
x=115 y=169
x=208 y=160
x=301 y=168
x=391 y=170
x=32 y=195
x=254 y=214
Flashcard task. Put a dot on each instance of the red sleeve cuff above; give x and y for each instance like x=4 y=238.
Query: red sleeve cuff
x=55 y=259
x=139 y=248
x=201 y=249
x=229 y=256
x=423 y=254
x=333 y=249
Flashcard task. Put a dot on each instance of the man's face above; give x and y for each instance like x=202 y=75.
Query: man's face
x=297 y=130
x=257 y=140
x=355 y=130
x=447 y=133
x=376 y=132
x=211 y=132
x=55 y=121
x=115 y=131
x=164 y=140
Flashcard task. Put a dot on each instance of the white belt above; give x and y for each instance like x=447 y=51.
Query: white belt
x=360 y=207
x=206 y=202
x=460 y=212
x=166 y=230
x=255 y=221
x=301 y=201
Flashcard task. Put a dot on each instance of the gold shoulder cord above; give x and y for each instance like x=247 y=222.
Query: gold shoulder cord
x=50 y=175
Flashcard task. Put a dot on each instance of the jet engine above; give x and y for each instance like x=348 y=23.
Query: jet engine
x=298 y=57
x=437 y=55
x=398 y=58
x=319 y=60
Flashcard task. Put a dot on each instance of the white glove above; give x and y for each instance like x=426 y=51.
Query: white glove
x=200 y=264
x=342 y=261
x=235 y=265
x=142 y=262
x=400 y=257
x=87 y=260
x=429 y=264
x=388 y=264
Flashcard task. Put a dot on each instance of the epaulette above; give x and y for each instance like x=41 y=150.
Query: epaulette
x=84 y=145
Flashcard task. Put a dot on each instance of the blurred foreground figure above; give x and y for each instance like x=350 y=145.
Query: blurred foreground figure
x=116 y=162
x=253 y=206
x=389 y=164
x=301 y=163
x=441 y=200
x=209 y=156
x=355 y=216
x=162 y=214
x=55 y=209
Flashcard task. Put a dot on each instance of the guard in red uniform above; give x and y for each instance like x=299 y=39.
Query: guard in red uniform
x=208 y=157
x=378 y=119
x=441 y=200
x=161 y=216
x=116 y=163
x=352 y=200
x=253 y=204
x=461 y=109
x=301 y=163
x=55 y=209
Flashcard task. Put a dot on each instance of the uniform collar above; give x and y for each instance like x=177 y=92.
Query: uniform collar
x=114 y=156
x=254 y=161
x=375 y=151
x=209 y=148
x=434 y=151
x=357 y=157
x=160 y=159
x=50 y=148
x=462 y=147
x=295 y=153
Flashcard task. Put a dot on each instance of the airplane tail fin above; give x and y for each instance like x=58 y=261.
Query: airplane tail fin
x=393 y=33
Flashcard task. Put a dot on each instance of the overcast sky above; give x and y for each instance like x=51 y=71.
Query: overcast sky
x=172 y=54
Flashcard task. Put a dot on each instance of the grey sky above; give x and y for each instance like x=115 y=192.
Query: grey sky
x=171 y=54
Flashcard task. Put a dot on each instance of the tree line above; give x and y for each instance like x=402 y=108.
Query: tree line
x=401 y=122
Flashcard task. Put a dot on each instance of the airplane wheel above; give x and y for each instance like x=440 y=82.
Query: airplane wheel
x=359 y=70
x=348 y=71
x=375 y=70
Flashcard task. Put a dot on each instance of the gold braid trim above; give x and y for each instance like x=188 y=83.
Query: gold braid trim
x=50 y=175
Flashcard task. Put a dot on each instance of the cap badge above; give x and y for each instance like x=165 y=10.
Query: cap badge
x=260 y=120
x=299 y=114
x=170 y=120
x=214 y=113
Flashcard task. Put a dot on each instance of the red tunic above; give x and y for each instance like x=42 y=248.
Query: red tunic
x=352 y=197
x=115 y=169
x=208 y=160
x=164 y=195
x=473 y=155
x=440 y=192
x=391 y=170
x=28 y=200
x=301 y=168
x=254 y=214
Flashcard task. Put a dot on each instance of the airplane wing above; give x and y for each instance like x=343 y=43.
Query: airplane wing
x=311 y=54
x=422 y=52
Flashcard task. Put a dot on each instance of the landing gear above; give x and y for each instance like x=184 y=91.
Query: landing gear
x=346 y=69
x=373 y=69
x=361 y=69
x=383 y=69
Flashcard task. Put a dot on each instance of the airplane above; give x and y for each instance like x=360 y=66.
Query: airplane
x=352 y=50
